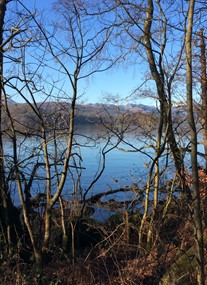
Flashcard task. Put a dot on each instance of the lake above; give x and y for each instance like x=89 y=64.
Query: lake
x=122 y=168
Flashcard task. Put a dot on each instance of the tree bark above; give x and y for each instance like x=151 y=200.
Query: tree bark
x=5 y=201
x=164 y=99
x=197 y=216
x=203 y=90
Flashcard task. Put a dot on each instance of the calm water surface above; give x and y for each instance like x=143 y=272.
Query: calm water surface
x=121 y=168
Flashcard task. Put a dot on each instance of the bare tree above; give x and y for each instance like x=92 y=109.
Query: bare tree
x=9 y=214
x=197 y=215
x=203 y=89
x=70 y=50
x=147 y=26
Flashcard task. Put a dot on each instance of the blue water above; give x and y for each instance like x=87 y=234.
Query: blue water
x=122 y=168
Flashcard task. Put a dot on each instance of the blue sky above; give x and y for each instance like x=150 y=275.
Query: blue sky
x=118 y=81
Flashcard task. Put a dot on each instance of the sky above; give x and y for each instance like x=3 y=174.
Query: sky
x=118 y=81
x=122 y=80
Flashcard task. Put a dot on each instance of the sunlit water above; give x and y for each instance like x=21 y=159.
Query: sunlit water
x=122 y=168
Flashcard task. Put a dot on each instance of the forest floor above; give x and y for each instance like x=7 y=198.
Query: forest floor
x=109 y=253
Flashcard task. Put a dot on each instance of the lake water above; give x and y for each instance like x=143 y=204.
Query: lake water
x=122 y=168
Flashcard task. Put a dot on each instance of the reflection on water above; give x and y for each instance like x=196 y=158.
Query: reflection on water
x=101 y=214
x=122 y=168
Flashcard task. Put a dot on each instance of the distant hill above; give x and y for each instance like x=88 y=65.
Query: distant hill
x=56 y=115
x=9 y=100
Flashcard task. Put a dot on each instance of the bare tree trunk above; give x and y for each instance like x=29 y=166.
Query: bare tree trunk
x=154 y=168
x=164 y=95
x=48 y=209
x=146 y=209
x=159 y=78
x=156 y=181
x=203 y=90
x=156 y=191
x=7 y=216
x=63 y=225
x=197 y=215
x=52 y=200
x=36 y=250
x=3 y=199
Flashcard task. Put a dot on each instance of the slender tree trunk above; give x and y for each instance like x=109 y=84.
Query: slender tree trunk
x=156 y=183
x=63 y=225
x=166 y=125
x=52 y=200
x=36 y=250
x=156 y=191
x=146 y=208
x=164 y=98
x=4 y=199
x=197 y=215
x=47 y=218
x=47 y=228
x=203 y=90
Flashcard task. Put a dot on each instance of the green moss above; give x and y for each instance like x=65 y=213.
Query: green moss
x=181 y=269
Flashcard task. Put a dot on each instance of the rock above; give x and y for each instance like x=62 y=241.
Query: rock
x=180 y=271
